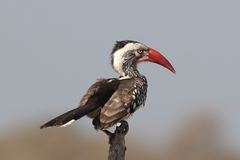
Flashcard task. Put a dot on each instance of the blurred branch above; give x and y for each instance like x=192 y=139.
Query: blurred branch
x=117 y=142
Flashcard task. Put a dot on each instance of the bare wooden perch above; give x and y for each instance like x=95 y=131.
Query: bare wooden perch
x=117 y=146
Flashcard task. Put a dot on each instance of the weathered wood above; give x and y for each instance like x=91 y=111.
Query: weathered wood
x=117 y=146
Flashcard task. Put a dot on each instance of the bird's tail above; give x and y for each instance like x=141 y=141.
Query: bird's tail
x=67 y=118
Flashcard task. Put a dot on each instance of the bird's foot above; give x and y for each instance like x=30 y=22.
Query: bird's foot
x=120 y=131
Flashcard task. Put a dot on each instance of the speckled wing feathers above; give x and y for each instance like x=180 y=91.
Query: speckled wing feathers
x=107 y=101
x=129 y=96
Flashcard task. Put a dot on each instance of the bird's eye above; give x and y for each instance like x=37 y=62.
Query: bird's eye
x=140 y=51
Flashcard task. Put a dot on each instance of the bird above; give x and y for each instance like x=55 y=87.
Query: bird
x=111 y=100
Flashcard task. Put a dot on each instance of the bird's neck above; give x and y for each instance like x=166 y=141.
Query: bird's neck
x=129 y=70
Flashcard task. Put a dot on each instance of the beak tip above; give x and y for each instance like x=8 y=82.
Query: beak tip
x=172 y=70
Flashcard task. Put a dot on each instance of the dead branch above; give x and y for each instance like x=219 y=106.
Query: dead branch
x=117 y=146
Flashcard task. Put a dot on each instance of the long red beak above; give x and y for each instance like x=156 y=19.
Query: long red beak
x=156 y=57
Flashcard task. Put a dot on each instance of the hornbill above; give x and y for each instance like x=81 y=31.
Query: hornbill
x=108 y=101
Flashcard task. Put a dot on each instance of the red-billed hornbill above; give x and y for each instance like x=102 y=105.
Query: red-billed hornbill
x=108 y=101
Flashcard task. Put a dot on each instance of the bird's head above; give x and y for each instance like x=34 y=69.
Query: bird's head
x=127 y=54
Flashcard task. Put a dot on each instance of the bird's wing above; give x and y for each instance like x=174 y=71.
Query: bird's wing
x=92 y=89
x=125 y=100
x=97 y=95
x=90 y=92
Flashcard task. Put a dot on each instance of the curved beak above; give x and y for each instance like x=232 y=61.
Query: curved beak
x=154 y=56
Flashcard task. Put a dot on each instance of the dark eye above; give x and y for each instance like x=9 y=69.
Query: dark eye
x=140 y=51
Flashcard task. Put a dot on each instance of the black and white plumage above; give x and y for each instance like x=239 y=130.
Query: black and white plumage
x=109 y=101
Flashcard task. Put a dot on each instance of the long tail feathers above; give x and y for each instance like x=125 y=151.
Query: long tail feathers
x=66 y=118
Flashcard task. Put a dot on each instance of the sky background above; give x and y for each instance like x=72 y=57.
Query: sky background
x=52 y=51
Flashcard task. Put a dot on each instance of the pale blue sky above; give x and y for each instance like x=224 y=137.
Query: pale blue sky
x=52 y=51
